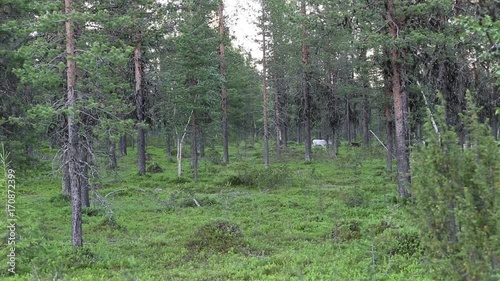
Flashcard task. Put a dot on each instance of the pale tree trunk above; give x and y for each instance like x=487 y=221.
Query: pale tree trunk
x=264 y=93
x=225 y=131
x=400 y=96
x=73 y=138
x=139 y=103
x=306 y=88
x=180 y=141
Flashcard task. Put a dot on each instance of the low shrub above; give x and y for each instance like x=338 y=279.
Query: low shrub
x=218 y=236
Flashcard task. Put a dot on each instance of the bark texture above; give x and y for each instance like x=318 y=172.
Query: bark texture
x=400 y=96
x=73 y=143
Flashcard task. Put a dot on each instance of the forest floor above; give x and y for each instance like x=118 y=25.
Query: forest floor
x=332 y=219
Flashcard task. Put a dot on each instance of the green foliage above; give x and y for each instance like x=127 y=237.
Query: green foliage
x=456 y=192
x=275 y=177
x=218 y=236
x=347 y=231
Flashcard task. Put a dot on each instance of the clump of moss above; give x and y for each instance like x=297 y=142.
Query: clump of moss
x=218 y=236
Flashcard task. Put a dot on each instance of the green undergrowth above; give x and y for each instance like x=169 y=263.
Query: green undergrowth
x=332 y=219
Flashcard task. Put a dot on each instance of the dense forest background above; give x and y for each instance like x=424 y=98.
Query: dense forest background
x=84 y=82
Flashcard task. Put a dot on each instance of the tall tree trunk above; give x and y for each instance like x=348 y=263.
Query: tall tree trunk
x=299 y=128
x=365 y=106
x=225 y=131
x=365 y=120
x=123 y=145
x=194 y=147
x=389 y=124
x=73 y=138
x=400 y=96
x=306 y=88
x=139 y=103
x=264 y=93
x=348 y=135
x=277 y=120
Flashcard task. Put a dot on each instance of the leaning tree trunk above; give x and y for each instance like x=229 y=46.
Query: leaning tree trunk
x=73 y=141
x=400 y=96
x=225 y=130
x=139 y=103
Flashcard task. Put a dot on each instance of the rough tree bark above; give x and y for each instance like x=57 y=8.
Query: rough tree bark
x=400 y=96
x=225 y=131
x=139 y=103
x=73 y=141
x=306 y=88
